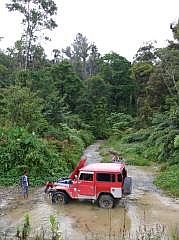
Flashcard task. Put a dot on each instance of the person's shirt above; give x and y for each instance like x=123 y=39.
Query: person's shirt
x=24 y=181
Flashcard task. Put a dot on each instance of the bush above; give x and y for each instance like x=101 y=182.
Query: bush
x=118 y=122
x=162 y=142
x=69 y=142
x=21 y=151
x=169 y=180
x=138 y=136
x=86 y=136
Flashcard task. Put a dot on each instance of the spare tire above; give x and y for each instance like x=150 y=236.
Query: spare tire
x=127 y=187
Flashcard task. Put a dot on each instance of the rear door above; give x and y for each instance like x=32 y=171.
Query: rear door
x=86 y=184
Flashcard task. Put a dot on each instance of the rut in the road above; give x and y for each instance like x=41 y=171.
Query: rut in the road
x=145 y=205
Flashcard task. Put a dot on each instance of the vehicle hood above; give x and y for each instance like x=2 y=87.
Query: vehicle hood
x=78 y=167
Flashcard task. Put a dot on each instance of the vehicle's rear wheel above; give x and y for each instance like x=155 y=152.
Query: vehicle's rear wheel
x=106 y=201
x=60 y=198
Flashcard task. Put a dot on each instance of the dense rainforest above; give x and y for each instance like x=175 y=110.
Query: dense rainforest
x=51 y=109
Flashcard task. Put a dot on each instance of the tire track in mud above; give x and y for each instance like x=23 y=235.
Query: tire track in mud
x=13 y=207
x=146 y=205
x=149 y=205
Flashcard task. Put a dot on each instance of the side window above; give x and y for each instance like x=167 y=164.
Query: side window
x=112 y=177
x=105 y=177
x=86 y=177
x=119 y=178
x=124 y=173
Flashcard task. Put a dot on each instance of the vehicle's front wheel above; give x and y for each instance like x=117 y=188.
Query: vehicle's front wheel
x=60 y=198
x=106 y=201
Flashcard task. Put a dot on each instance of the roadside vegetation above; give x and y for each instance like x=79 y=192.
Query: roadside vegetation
x=46 y=157
x=155 y=145
x=54 y=232
x=51 y=109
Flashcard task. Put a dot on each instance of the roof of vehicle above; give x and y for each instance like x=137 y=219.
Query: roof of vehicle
x=103 y=167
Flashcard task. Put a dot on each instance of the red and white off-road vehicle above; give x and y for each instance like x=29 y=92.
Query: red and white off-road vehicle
x=105 y=183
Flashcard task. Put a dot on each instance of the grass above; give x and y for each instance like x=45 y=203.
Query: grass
x=168 y=180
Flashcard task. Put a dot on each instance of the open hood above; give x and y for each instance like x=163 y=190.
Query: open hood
x=78 y=167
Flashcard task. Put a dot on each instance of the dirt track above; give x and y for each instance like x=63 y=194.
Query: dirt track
x=146 y=205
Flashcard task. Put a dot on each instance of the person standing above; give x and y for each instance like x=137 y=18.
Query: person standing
x=24 y=182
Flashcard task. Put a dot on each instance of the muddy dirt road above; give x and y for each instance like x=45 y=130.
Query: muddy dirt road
x=146 y=205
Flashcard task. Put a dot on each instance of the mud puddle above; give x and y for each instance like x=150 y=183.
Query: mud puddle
x=149 y=205
x=146 y=205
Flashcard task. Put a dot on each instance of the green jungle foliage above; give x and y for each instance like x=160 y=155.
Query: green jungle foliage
x=50 y=110
x=45 y=158
x=156 y=144
x=168 y=179
x=21 y=151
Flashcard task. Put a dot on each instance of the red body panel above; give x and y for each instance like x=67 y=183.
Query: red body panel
x=86 y=188
x=106 y=187
x=91 y=189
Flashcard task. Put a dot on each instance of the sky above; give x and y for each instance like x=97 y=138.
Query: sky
x=121 y=26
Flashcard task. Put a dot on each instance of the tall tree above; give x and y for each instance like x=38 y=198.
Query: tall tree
x=95 y=91
x=175 y=29
x=81 y=48
x=69 y=86
x=169 y=67
x=37 y=17
x=115 y=70
x=78 y=53
x=93 y=61
x=37 y=57
x=141 y=72
x=165 y=79
x=146 y=53
x=142 y=68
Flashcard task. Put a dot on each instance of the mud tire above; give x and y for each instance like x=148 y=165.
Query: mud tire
x=127 y=188
x=106 y=201
x=60 y=198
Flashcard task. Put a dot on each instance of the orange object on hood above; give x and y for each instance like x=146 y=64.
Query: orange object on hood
x=78 y=167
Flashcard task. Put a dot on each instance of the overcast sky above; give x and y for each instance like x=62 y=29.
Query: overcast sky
x=113 y=25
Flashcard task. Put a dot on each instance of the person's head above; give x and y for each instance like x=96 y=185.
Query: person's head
x=25 y=173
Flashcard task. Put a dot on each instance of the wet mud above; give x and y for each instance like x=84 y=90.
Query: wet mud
x=146 y=205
